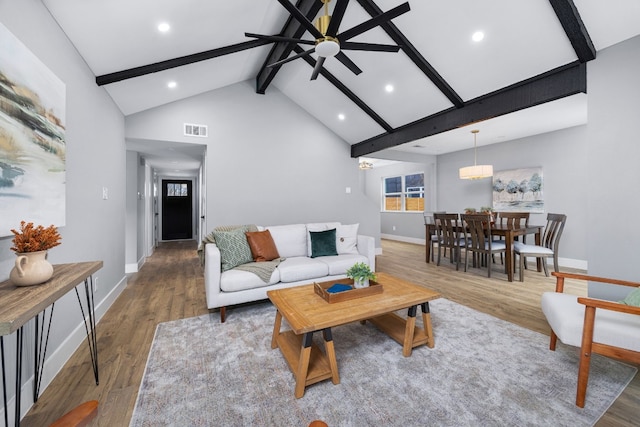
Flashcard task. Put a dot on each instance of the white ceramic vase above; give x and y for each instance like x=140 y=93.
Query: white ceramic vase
x=361 y=282
x=32 y=268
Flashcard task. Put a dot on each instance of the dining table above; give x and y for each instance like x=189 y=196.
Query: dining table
x=509 y=234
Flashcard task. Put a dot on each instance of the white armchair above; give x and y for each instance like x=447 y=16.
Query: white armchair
x=596 y=326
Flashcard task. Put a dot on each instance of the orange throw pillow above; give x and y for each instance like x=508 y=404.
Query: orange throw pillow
x=262 y=246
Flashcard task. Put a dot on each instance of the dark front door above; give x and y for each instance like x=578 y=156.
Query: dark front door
x=177 y=210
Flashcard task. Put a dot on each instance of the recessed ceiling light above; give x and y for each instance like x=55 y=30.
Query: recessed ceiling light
x=389 y=88
x=477 y=36
x=172 y=85
x=164 y=27
x=341 y=116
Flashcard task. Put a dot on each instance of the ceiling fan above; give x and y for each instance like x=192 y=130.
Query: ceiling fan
x=328 y=42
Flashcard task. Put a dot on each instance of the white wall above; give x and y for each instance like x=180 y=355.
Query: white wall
x=95 y=159
x=268 y=162
x=613 y=144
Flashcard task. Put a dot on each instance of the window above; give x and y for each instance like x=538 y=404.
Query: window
x=404 y=193
x=177 y=190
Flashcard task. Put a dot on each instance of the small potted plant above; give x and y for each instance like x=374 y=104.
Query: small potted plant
x=489 y=211
x=361 y=274
x=469 y=211
x=31 y=244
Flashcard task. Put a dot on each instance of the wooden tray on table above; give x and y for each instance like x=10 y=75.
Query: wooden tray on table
x=321 y=290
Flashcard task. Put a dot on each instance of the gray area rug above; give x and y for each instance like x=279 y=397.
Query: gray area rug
x=482 y=371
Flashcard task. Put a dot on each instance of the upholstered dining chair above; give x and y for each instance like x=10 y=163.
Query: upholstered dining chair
x=479 y=240
x=597 y=326
x=513 y=220
x=548 y=246
x=449 y=236
x=433 y=237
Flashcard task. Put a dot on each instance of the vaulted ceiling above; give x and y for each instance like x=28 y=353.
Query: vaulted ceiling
x=527 y=76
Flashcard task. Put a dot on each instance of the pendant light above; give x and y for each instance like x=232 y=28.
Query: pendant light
x=476 y=171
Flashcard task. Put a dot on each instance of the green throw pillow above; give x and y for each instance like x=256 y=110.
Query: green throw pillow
x=234 y=248
x=633 y=298
x=323 y=243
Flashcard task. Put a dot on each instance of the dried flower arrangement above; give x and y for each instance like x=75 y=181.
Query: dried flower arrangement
x=34 y=239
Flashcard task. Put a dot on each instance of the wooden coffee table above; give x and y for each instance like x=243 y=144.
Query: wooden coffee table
x=306 y=313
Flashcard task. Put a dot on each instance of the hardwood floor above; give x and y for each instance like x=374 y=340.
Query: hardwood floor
x=171 y=286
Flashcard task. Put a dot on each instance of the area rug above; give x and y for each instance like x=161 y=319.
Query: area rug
x=482 y=371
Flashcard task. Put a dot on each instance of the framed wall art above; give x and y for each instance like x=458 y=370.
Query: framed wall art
x=518 y=190
x=32 y=139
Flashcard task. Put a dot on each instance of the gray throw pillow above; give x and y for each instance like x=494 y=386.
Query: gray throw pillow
x=234 y=248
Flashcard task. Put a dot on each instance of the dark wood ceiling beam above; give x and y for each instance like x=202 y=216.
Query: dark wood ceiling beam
x=550 y=86
x=571 y=21
x=348 y=93
x=413 y=54
x=117 y=76
x=293 y=29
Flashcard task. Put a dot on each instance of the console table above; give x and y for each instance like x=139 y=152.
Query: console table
x=18 y=305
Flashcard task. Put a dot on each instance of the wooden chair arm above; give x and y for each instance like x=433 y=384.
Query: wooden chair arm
x=609 y=305
x=560 y=276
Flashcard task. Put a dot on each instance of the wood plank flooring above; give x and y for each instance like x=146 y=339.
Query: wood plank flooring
x=171 y=286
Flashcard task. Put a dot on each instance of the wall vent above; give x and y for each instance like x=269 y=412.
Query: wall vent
x=195 y=130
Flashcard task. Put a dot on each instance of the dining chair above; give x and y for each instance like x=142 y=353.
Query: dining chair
x=548 y=246
x=478 y=240
x=433 y=236
x=614 y=333
x=513 y=220
x=449 y=236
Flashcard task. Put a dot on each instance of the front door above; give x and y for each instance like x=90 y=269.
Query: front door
x=177 y=209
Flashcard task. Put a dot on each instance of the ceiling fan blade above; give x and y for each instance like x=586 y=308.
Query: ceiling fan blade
x=336 y=17
x=369 y=46
x=301 y=18
x=279 y=39
x=317 y=68
x=374 y=22
x=291 y=58
x=348 y=63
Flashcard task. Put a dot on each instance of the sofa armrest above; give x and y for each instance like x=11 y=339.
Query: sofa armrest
x=212 y=273
x=367 y=247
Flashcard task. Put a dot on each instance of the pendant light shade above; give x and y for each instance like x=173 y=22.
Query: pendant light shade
x=476 y=171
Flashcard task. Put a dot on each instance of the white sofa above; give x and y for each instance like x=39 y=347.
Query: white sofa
x=292 y=241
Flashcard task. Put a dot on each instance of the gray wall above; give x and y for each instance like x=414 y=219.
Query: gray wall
x=95 y=159
x=406 y=226
x=563 y=158
x=613 y=144
x=268 y=161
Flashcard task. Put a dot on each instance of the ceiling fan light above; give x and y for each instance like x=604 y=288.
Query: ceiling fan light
x=327 y=48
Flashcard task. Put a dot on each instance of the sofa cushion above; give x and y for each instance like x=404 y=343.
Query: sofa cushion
x=323 y=243
x=234 y=248
x=566 y=317
x=262 y=246
x=318 y=226
x=341 y=263
x=290 y=240
x=347 y=239
x=294 y=269
x=238 y=280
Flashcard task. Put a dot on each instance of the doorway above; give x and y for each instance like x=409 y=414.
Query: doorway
x=177 y=209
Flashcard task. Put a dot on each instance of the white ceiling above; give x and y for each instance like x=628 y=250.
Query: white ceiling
x=522 y=39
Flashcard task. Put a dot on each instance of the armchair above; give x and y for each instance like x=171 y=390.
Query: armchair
x=598 y=326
